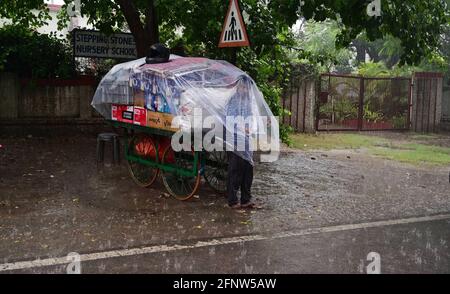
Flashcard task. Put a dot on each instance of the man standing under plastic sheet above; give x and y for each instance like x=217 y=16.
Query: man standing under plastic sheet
x=240 y=162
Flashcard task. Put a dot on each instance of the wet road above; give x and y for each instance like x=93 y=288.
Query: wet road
x=416 y=245
x=54 y=201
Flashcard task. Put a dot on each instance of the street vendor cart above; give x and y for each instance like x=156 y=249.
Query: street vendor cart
x=145 y=99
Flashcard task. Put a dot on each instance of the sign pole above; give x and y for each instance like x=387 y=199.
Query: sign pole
x=234 y=55
x=73 y=50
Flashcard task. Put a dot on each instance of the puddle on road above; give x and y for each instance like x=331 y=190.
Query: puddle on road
x=86 y=210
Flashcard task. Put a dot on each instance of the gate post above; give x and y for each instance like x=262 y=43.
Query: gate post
x=439 y=103
x=361 y=104
x=410 y=104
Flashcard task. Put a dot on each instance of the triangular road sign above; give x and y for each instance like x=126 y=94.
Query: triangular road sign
x=234 y=33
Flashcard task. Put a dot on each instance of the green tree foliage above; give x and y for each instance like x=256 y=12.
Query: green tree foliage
x=35 y=55
x=388 y=49
x=318 y=40
x=445 y=50
x=27 y=13
x=418 y=25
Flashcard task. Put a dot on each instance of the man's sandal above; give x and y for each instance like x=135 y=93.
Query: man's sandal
x=251 y=205
x=235 y=206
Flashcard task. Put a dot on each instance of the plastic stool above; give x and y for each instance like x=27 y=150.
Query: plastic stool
x=108 y=137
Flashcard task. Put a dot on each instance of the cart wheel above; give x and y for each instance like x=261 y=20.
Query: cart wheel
x=143 y=175
x=181 y=187
x=216 y=170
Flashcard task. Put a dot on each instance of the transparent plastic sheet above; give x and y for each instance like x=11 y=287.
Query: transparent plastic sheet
x=202 y=94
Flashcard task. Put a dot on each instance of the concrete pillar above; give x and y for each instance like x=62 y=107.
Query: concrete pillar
x=86 y=94
x=426 y=113
x=439 y=94
x=446 y=104
x=310 y=113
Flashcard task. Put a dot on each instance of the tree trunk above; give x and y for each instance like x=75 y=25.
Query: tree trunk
x=146 y=34
x=373 y=53
x=360 y=51
x=151 y=23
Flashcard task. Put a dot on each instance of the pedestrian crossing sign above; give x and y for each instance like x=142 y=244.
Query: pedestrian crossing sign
x=234 y=33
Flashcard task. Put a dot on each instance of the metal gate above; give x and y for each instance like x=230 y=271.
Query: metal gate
x=354 y=103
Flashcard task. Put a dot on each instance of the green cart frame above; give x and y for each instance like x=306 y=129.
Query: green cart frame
x=149 y=154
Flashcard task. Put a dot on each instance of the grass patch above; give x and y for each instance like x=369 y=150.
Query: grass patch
x=424 y=137
x=416 y=154
x=335 y=141
x=402 y=151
